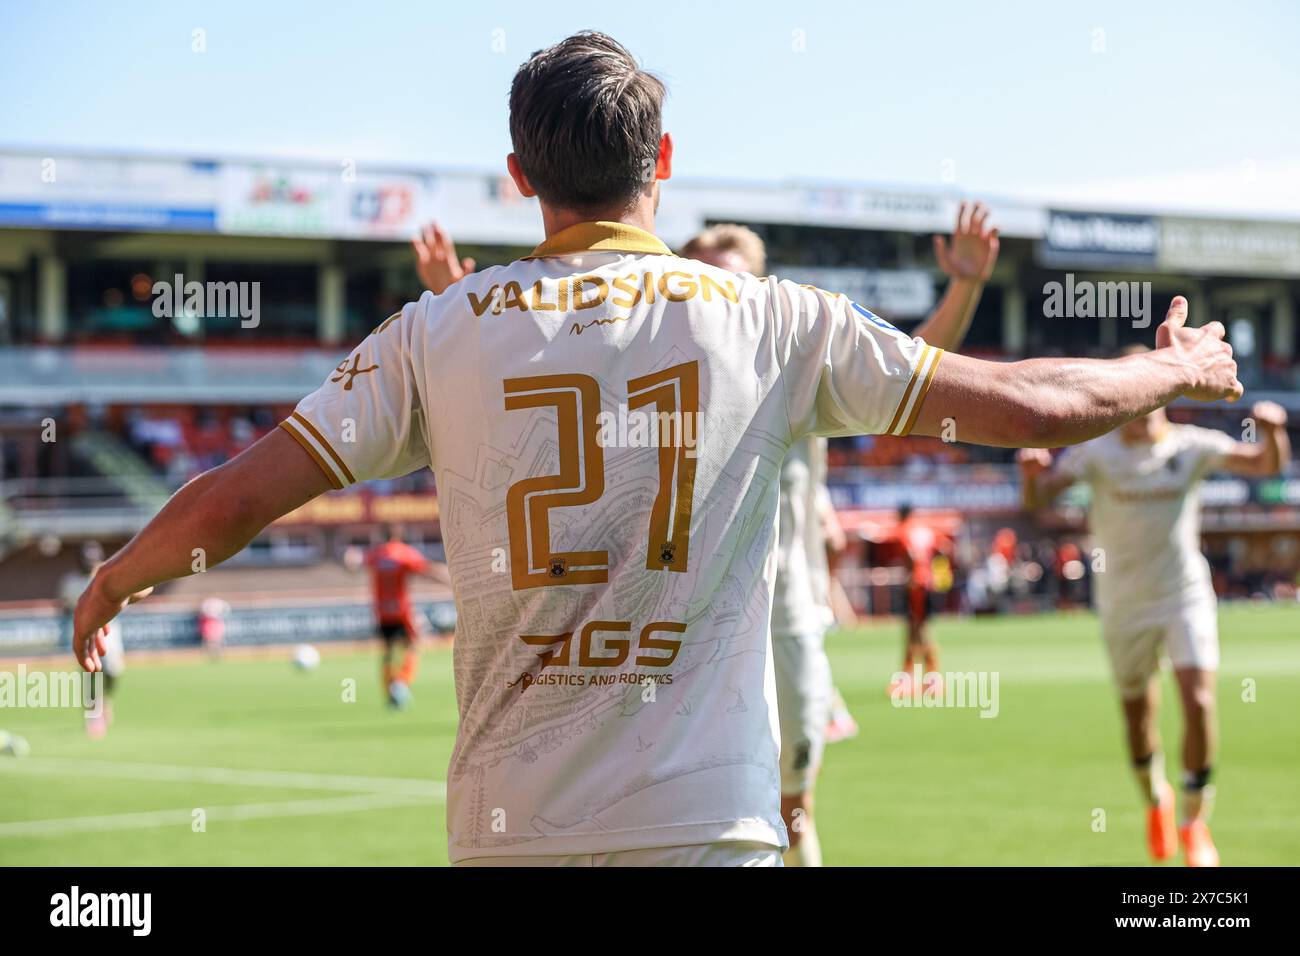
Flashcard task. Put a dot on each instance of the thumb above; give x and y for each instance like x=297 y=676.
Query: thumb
x=140 y=595
x=468 y=265
x=1176 y=317
x=940 y=250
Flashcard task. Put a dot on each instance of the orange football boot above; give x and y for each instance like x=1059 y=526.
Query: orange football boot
x=1198 y=847
x=1162 y=832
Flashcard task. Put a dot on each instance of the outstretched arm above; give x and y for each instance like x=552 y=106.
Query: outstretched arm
x=1045 y=403
x=437 y=571
x=1039 y=485
x=968 y=261
x=207 y=521
x=1270 y=454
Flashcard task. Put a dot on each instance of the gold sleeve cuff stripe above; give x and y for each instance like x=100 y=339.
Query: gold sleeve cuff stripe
x=315 y=434
x=305 y=442
x=306 y=432
x=914 y=395
x=935 y=355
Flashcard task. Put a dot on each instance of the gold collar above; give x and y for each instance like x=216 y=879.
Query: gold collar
x=600 y=237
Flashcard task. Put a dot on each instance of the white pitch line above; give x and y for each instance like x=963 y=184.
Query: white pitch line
x=173 y=773
x=184 y=816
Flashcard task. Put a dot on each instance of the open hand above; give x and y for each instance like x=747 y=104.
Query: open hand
x=974 y=248
x=1269 y=414
x=436 y=262
x=90 y=621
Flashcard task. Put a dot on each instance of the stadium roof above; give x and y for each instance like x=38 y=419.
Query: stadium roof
x=66 y=189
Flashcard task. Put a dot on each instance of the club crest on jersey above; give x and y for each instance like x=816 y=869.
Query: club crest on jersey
x=352 y=372
x=667 y=552
x=872 y=317
x=557 y=567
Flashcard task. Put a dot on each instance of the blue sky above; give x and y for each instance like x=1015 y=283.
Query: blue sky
x=1181 y=105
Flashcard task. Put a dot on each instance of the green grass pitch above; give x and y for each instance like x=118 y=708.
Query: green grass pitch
x=287 y=773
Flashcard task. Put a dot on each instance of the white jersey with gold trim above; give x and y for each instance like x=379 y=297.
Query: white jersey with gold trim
x=606 y=423
x=1146 y=517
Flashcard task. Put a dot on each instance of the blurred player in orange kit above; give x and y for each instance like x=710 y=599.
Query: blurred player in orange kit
x=1004 y=544
x=920 y=544
x=390 y=564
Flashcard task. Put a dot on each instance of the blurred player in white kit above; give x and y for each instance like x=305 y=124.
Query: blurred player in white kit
x=1155 y=597
x=99 y=712
x=801 y=602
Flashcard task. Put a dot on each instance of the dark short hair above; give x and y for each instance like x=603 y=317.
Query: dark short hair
x=585 y=123
x=904 y=512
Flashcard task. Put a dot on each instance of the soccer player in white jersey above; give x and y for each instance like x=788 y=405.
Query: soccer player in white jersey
x=1154 y=595
x=801 y=611
x=613 y=579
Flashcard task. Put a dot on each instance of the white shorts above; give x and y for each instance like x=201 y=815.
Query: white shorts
x=114 y=656
x=1188 y=636
x=803 y=704
x=734 y=853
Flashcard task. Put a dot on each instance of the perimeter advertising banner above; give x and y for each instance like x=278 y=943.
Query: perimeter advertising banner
x=1230 y=246
x=36 y=632
x=1099 y=240
x=114 y=193
x=893 y=293
x=360 y=507
x=344 y=202
x=1174 y=244
x=348 y=199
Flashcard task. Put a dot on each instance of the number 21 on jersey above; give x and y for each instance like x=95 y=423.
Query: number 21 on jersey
x=674 y=394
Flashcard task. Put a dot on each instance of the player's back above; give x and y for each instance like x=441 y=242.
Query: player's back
x=611 y=592
x=606 y=423
x=391 y=563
